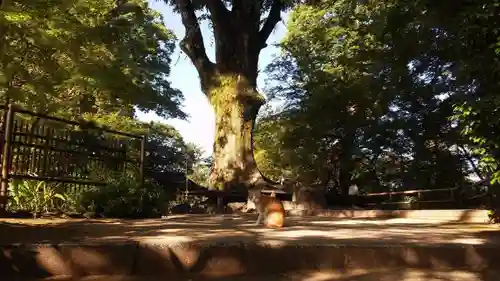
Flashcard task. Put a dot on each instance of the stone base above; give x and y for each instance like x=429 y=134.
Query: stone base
x=458 y=216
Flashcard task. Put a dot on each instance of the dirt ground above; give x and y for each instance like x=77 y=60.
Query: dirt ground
x=240 y=228
x=374 y=275
x=227 y=229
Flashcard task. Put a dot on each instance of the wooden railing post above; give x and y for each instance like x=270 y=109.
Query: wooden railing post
x=6 y=158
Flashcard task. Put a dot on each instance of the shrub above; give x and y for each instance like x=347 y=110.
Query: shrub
x=122 y=197
x=494 y=208
x=33 y=196
x=494 y=215
x=125 y=197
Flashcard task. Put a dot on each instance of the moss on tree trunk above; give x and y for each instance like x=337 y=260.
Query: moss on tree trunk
x=236 y=104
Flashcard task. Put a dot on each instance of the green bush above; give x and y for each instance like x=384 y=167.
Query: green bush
x=124 y=197
x=494 y=215
x=73 y=198
x=33 y=196
x=494 y=208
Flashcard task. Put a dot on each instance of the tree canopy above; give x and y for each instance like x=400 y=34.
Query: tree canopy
x=380 y=94
x=72 y=57
x=99 y=61
x=387 y=95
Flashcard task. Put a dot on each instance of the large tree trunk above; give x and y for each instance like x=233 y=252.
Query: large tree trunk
x=236 y=104
x=230 y=83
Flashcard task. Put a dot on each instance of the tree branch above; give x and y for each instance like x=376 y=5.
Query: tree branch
x=271 y=21
x=471 y=161
x=218 y=12
x=192 y=43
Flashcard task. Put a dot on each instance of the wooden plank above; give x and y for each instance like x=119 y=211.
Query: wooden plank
x=408 y=192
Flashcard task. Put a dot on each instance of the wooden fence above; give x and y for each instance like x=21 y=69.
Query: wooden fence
x=41 y=147
x=431 y=197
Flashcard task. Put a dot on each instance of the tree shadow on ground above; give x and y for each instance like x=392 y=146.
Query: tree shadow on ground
x=184 y=228
x=218 y=247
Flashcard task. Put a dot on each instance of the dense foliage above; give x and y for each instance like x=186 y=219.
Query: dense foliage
x=98 y=62
x=386 y=95
x=124 y=194
x=70 y=57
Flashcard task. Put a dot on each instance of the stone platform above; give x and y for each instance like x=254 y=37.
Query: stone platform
x=227 y=246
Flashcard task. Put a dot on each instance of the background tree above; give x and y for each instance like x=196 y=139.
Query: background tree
x=72 y=57
x=98 y=61
x=369 y=91
x=200 y=172
x=167 y=156
x=93 y=60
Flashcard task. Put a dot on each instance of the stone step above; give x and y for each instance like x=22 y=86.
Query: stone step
x=223 y=246
x=219 y=260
